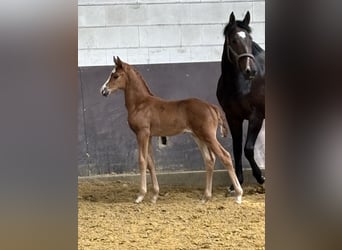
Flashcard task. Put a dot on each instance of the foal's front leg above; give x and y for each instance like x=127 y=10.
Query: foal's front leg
x=143 y=139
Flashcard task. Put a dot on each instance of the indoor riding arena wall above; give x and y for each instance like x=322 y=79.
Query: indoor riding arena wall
x=176 y=46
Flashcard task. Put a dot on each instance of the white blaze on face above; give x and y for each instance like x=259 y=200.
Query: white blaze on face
x=105 y=84
x=242 y=34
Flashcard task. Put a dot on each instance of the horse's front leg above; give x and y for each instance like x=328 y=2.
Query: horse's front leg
x=235 y=127
x=152 y=170
x=143 y=140
x=254 y=127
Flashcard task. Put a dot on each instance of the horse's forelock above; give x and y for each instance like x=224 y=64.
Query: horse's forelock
x=230 y=27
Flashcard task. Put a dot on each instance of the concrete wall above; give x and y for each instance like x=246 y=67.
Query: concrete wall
x=161 y=31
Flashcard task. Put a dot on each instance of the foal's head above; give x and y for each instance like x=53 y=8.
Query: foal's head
x=239 y=45
x=117 y=78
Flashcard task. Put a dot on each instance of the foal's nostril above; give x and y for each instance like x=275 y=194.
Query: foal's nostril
x=105 y=92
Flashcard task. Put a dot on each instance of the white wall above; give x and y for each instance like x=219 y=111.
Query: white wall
x=161 y=31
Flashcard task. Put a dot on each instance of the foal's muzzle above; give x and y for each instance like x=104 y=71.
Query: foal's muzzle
x=105 y=92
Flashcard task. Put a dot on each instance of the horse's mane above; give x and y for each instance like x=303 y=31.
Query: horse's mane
x=139 y=76
x=256 y=49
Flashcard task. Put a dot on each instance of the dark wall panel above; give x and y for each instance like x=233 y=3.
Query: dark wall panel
x=106 y=143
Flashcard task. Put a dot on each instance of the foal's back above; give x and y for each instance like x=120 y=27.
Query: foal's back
x=173 y=117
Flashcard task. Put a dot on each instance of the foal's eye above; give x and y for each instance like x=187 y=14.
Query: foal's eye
x=234 y=41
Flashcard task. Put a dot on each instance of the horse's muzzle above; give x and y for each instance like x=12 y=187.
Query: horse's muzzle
x=250 y=77
x=105 y=92
x=249 y=74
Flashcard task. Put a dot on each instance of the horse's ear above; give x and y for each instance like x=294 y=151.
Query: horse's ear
x=118 y=62
x=232 y=17
x=114 y=59
x=247 y=18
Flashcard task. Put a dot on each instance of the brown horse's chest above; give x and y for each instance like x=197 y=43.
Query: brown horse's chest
x=138 y=119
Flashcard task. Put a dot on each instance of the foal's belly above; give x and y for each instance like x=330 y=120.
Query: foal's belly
x=168 y=129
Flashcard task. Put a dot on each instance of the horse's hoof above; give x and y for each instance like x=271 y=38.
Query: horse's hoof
x=238 y=199
x=205 y=199
x=262 y=180
x=154 y=199
x=139 y=199
x=261 y=188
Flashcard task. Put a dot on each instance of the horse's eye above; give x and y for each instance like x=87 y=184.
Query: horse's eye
x=115 y=76
x=234 y=41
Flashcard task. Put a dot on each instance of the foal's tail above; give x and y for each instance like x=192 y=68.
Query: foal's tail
x=222 y=121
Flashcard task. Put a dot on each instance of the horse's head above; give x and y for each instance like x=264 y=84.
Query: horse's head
x=239 y=45
x=117 y=78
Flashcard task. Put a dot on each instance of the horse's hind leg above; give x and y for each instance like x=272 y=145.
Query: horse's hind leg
x=209 y=162
x=226 y=160
x=151 y=167
x=143 y=141
x=254 y=127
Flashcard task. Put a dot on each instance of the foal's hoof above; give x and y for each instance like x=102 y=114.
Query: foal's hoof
x=154 y=199
x=205 y=199
x=238 y=199
x=139 y=199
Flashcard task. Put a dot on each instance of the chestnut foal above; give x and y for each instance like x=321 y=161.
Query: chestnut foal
x=149 y=116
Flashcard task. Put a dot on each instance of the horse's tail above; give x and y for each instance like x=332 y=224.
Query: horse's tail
x=222 y=121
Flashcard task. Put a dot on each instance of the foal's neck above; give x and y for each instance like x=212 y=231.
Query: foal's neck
x=136 y=90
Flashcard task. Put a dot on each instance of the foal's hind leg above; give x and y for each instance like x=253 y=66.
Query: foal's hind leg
x=254 y=127
x=143 y=140
x=209 y=162
x=226 y=160
x=151 y=167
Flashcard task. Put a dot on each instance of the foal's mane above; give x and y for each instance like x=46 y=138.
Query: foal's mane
x=139 y=76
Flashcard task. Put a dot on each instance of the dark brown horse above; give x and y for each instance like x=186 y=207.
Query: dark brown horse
x=149 y=116
x=241 y=90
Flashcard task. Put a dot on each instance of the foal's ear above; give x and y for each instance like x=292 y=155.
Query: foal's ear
x=247 y=18
x=118 y=62
x=232 y=17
